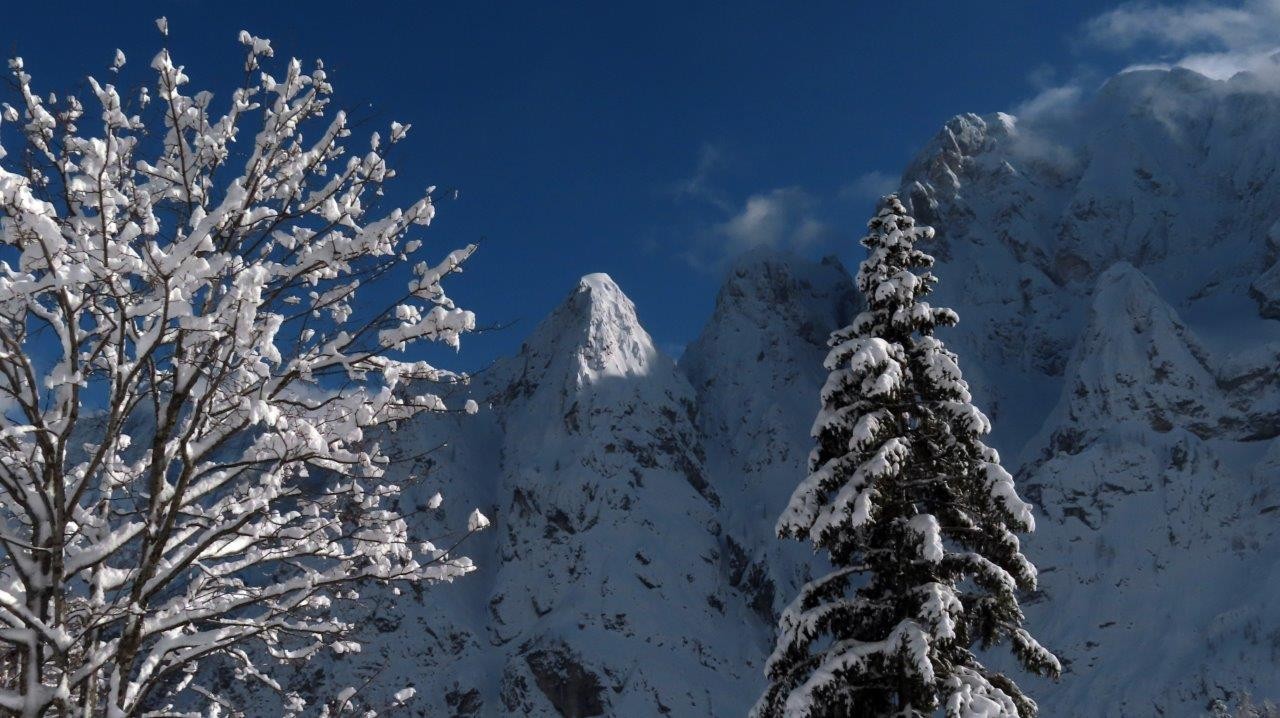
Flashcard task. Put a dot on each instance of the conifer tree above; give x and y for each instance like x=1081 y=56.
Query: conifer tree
x=917 y=517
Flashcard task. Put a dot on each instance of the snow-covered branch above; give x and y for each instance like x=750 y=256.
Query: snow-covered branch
x=193 y=364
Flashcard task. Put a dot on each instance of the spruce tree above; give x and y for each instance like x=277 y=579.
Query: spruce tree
x=917 y=517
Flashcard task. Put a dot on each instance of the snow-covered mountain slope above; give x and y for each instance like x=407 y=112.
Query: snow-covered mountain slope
x=756 y=368
x=1157 y=550
x=1115 y=278
x=607 y=583
x=1168 y=170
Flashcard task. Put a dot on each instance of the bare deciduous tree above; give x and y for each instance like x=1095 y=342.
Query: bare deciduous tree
x=192 y=278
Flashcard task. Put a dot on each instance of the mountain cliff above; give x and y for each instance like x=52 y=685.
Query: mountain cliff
x=1157 y=560
x=753 y=367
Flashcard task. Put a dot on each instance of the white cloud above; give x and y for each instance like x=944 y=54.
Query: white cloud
x=786 y=218
x=871 y=186
x=1215 y=40
x=1225 y=65
x=1182 y=26
x=699 y=186
x=1055 y=101
x=781 y=218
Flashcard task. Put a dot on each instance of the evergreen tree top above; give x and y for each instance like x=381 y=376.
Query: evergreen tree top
x=914 y=512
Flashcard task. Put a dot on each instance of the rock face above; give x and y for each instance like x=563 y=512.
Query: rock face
x=756 y=368
x=767 y=336
x=1169 y=171
x=1138 y=363
x=607 y=595
x=1156 y=559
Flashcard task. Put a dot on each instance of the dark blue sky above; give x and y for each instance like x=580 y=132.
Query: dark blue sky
x=611 y=137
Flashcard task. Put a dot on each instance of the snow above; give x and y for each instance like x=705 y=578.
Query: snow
x=852 y=505
x=940 y=608
x=1000 y=484
x=855 y=657
x=1110 y=277
x=600 y=283
x=973 y=696
x=926 y=527
x=476 y=520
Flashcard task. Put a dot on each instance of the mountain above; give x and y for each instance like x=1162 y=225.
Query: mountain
x=1157 y=558
x=1117 y=275
x=756 y=368
x=607 y=594
x=609 y=584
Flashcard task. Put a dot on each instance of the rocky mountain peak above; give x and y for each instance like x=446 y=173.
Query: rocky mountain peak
x=767 y=299
x=598 y=326
x=591 y=344
x=1138 y=362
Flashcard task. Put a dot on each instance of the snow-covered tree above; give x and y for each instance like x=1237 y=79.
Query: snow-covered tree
x=189 y=388
x=916 y=514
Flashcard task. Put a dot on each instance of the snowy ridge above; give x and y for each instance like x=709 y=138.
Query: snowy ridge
x=1138 y=363
x=756 y=367
x=766 y=337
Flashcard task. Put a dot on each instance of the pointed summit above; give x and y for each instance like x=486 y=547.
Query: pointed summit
x=948 y=155
x=768 y=299
x=594 y=334
x=764 y=343
x=1138 y=362
x=614 y=342
x=600 y=281
x=770 y=285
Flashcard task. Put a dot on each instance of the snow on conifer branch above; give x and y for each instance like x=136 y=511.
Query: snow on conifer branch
x=193 y=369
x=916 y=514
